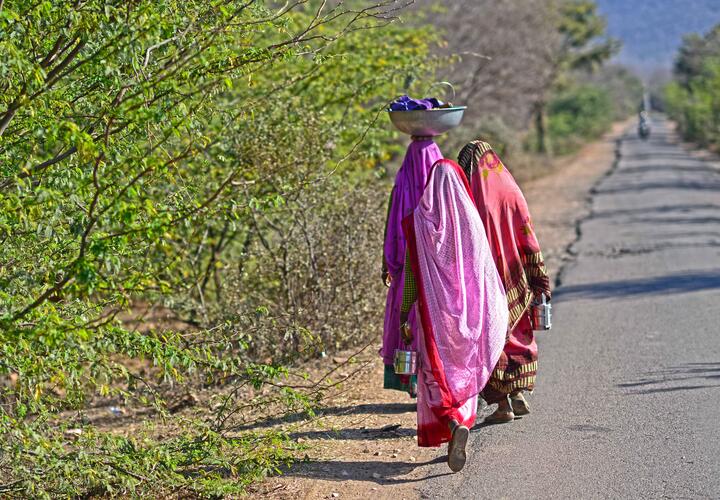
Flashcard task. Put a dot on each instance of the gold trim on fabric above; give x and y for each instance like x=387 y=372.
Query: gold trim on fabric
x=502 y=375
x=536 y=271
x=519 y=309
x=482 y=147
x=508 y=387
x=515 y=292
x=479 y=150
x=534 y=258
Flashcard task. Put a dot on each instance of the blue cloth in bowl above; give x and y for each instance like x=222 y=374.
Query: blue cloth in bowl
x=405 y=103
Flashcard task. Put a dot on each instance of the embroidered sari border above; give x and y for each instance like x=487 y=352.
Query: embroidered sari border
x=508 y=387
x=502 y=375
x=533 y=258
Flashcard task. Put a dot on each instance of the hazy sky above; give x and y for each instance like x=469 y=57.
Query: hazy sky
x=652 y=30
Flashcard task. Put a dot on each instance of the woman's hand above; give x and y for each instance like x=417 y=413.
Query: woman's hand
x=405 y=333
x=386 y=278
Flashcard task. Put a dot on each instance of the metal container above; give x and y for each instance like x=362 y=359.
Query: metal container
x=427 y=122
x=542 y=315
x=405 y=362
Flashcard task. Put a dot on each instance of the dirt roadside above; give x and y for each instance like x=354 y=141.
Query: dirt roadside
x=363 y=445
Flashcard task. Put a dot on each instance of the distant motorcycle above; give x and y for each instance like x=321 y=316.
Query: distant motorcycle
x=644 y=129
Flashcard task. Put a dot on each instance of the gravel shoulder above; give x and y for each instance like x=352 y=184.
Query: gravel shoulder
x=363 y=444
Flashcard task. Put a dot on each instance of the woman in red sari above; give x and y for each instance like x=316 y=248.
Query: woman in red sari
x=461 y=303
x=516 y=250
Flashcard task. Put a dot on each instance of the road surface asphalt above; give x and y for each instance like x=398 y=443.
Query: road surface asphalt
x=627 y=403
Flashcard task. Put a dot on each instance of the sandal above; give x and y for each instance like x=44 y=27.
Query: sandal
x=519 y=405
x=500 y=417
x=456 y=448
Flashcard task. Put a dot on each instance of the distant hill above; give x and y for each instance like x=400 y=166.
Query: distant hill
x=652 y=30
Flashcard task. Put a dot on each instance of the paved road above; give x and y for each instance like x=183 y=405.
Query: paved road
x=628 y=397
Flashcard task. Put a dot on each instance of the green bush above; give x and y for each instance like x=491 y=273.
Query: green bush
x=696 y=106
x=180 y=182
x=577 y=115
x=693 y=98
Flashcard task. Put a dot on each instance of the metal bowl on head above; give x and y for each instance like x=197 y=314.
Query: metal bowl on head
x=427 y=122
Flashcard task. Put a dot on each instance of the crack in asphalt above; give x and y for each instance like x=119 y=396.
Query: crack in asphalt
x=569 y=257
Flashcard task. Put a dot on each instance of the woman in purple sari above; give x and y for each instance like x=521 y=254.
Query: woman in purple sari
x=410 y=183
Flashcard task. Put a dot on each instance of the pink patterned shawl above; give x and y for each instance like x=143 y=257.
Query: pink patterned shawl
x=462 y=305
x=409 y=185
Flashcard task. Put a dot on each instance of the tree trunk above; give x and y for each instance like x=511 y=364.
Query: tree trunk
x=541 y=128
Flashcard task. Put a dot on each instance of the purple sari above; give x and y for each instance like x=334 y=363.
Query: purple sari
x=409 y=187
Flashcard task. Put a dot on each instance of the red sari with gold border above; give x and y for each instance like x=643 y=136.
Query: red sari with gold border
x=505 y=215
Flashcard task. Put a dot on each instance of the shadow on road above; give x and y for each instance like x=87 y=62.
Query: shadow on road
x=672 y=389
x=674 y=220
x=676 y=378
x=681 y=155
x=671 y=184
x=693 y=281
x=362 y=409
x=355 y=434
x=384 y=473
x=664 y=209
x=698 y=169
x=691 y=234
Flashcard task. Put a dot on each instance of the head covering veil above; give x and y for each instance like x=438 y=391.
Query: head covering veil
x=409 y=185
x=505 y=215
